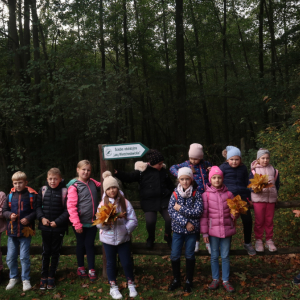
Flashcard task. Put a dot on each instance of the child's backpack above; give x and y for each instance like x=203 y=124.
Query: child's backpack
x=193 y=194
x=11 y=195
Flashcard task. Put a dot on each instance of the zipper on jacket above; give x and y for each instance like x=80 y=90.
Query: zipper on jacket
x=92 y=200
x=19 y=214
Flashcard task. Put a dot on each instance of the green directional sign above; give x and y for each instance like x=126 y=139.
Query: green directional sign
x=123 y=151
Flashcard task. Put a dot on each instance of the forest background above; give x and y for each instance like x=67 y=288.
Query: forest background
x=75 y=74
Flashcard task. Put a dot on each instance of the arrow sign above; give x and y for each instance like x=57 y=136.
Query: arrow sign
x=123 y=151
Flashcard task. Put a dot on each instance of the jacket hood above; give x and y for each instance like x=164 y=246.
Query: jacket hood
x=212 y=189
x=30 y=190
x=142 y=166
x=72 y=181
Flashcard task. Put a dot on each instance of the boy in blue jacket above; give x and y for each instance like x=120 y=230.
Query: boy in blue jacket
x=19 y=210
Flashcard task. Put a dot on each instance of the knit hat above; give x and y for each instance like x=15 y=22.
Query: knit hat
x=109 y=181
x=261 y=152
x=215 y=170
x=154 y=157
x=185 y=171
x=233 y=151
x=196 y=151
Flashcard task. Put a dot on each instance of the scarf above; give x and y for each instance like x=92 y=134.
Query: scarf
x=185 y=194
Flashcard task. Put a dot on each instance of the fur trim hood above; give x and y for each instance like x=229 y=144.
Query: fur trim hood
x=142 y=166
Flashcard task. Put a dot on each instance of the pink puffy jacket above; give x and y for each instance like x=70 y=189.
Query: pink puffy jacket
x=216 y=219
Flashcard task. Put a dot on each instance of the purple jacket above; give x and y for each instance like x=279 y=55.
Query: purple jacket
x=216 y=219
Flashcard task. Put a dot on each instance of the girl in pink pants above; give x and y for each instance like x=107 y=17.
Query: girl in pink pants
x=264 y=202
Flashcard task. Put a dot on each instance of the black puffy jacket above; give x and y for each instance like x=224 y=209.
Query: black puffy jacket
x=53 y=208
x=156 y=187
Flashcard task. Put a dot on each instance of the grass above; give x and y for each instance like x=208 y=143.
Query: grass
x=260 y=277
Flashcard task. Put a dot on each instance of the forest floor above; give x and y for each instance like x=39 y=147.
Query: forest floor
x=258 y=277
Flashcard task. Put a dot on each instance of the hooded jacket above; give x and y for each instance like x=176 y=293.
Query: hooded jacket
x=156 y=186
x=190 y=211
x=236 y=180
x=120 y=231
x=267 y=195
x=82 y=202
x=53 y=208
x=216 y=219
x=200 y=176
x=2 y=219
x=22 y=204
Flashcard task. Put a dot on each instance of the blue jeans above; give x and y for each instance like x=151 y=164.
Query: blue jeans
x=13 y=244
x=177 y=243
x=220 y=245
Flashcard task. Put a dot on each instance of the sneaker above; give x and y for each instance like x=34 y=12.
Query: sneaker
x=51 y=283
x=208 y=248
x=228 y=287
x=297 y=279
x=259 y=246
x=214 y=284
x=114 y=292
x=12 y=283
x=132 y=291
x=26 y=285
x=251 y=251
x=270 y=246
x=197 y=247
x=92 y=275
x=43 y=283
x=81 y=272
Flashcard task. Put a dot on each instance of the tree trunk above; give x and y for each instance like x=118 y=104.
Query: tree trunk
x=261 y=39
x=26 y=39
x=102 y=48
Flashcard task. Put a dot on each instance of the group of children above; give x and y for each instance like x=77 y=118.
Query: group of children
x=198 y=204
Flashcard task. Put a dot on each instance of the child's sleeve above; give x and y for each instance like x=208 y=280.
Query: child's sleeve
x=39 y=205
x=132 y=221
x=128 y=176
x=196 y=211
x=32 y=216
x=174 y=169
x=72 y=207
x=174 y=214
x=2 y=202
x=6 y=211
x=204 y=217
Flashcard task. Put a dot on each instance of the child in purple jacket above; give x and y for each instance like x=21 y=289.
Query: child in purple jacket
x=217 y=226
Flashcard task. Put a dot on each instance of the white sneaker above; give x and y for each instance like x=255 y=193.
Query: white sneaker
x=208 y=248
x=115 y=293
x=12 y=283
x=26 y=285
x=197 y=247
x=132 y=291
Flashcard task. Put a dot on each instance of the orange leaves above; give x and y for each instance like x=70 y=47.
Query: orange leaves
x=237 y=205
x=259 y=182
x=11 y=227
x=27 y=231
x=106 y=213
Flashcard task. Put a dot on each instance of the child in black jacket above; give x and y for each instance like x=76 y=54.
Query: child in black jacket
x=156 y=188
x=53 y=216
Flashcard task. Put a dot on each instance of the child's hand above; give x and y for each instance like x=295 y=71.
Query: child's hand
x=13 y=217
x=79 y=230
x=177 y=206
x=206 y=240
x=189 y=226
x=297 y=213
x=53 y=224
x=116 y=171
x=122 y=215
x=45 y=222
x=24 y=221
x=208 y=169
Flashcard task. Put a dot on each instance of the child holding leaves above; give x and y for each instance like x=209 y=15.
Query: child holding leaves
x=217 y=226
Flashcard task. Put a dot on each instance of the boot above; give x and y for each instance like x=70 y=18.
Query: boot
x=190 y=267
x=168 y=239
x=176 y=273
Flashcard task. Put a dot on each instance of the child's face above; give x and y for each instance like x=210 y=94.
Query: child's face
x=112 y=192
x=158 y=166
x=84 y=173
x=53 y=180
x=185 y=181
x=264 y=160
x=194 y=161
x=234 y=161
x=216 y=181
x=19 y=185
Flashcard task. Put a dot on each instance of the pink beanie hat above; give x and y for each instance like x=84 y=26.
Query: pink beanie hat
x=196 y=151
x=215 y=170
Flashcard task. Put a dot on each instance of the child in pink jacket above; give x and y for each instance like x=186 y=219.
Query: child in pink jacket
x=217 y=226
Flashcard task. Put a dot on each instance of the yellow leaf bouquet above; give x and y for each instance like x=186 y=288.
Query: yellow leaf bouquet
x=237 y=205
x=106 y=214
x=259 y=182
x=27 y=231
